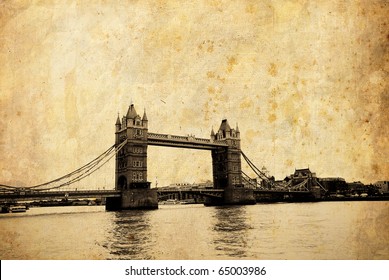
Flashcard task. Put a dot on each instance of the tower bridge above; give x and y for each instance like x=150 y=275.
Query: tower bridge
x=132 y=189
x=131 y=162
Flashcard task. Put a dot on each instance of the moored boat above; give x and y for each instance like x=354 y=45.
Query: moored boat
x=188 y=201
x=170 y=201
x=17 y=209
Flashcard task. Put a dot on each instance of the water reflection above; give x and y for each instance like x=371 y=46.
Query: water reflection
x=130 y=236
x=329 y=230
x=231 y=231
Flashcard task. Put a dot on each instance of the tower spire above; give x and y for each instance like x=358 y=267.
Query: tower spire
x=118 y=120
x=144 y=115
x=131 y=113
x=118 y=124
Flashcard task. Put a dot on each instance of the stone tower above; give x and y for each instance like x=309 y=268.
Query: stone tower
x=131 y=165
x=226 y=162
x=131 y=160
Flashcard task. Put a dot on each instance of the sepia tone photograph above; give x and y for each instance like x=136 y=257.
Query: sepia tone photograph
x=194 y=130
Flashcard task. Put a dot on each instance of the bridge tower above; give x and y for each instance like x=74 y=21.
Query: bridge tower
x=226 y=162
x=131 y=163
x=227 y=168
x=131 y=160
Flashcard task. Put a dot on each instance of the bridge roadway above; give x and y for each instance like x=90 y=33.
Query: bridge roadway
x=162 y=193
x=42 y=195
x=259 y=194
x=205 y=192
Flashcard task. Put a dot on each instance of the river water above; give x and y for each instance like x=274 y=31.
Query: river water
x=325 y=230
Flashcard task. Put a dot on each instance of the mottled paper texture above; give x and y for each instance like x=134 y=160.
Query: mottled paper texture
x=306 y=81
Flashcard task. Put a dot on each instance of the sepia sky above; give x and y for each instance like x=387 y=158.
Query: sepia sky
x=306 y=81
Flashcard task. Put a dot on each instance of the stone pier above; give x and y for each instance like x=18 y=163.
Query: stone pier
x=133 y=199
x=232 y=196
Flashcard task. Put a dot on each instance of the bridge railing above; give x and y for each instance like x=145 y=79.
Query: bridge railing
x=188 y=138
x=202 y=140
x=223 y=142
x=176 y=137
x=156 y=135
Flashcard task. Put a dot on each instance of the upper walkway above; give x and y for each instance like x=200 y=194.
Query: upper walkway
x=167 y=140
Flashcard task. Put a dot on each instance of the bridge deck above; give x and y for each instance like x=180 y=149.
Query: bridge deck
x=31 y=195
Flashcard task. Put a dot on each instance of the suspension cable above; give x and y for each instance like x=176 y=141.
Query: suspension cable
x=86 y=168
x=303 y=183
x=258 y=172
x=247 y=179
x=255 y=169
x=90 y=170
x=320 y=185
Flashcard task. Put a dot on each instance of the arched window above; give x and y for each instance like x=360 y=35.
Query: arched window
x=122 y=183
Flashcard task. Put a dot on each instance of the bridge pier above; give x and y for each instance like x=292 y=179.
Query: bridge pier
x=133 y=199
x=232 y=196
x=239 y=196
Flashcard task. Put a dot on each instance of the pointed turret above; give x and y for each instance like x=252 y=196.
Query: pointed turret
x=225 y=126
x=131 y=113
x=144 y=119
x=225 y=129
x=144 y=116
x=237 y=131
x=118 y=121
x=118 y=126
x=212 y=134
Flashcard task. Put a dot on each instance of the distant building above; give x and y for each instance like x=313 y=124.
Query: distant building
x=301 y=175
x=383 y=186
x=334 y=185
x=357 y=187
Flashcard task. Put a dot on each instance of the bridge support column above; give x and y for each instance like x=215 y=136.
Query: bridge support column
x=140 y=199
x=238 y=196
x=232 y=196
x=316 y=192
x=133 y=199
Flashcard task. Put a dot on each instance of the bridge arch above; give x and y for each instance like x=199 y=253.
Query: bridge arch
x=122 y=182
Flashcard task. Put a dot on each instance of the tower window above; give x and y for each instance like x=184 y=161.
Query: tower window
x=137 y=176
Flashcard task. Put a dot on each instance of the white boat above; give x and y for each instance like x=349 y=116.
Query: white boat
x=17 y=209
x=170 y=202
x=188 y=201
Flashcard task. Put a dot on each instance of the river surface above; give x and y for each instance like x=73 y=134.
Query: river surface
x=325 y=230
